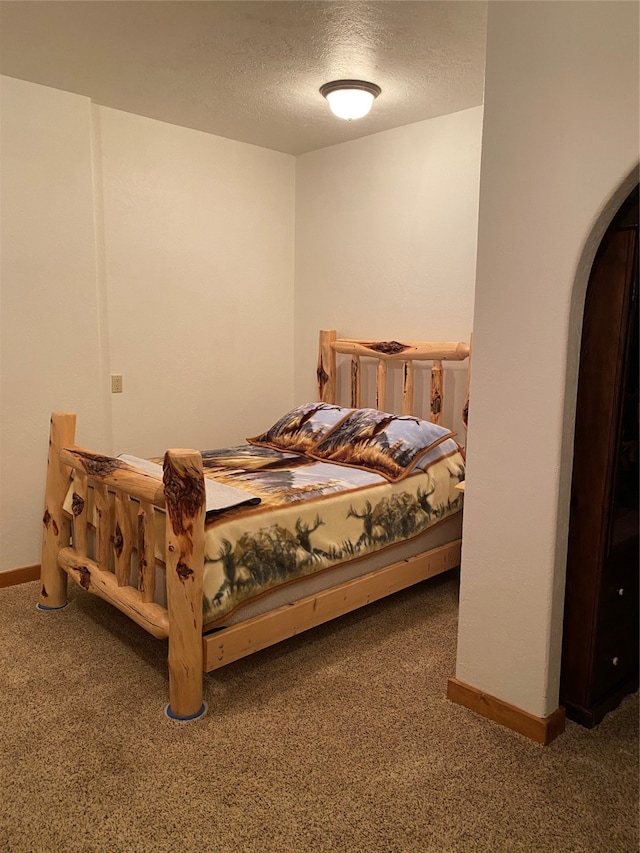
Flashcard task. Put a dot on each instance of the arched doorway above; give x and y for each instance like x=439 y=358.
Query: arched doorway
x=600 y=634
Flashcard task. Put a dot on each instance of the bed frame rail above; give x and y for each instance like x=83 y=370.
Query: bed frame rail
x=106 y=572
x=385 y=351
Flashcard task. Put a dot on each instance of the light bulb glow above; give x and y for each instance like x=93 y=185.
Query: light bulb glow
x=350 y=103
x=350 y=99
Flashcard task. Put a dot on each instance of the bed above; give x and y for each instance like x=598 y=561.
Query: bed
x=225 y=552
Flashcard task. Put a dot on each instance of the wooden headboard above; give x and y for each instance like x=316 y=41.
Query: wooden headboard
x=385 y=351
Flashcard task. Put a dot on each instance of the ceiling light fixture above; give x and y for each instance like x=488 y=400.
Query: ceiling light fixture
x=350 y=99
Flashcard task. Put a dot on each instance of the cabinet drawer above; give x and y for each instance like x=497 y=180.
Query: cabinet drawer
x=618 y=601
x=620 y=583
x=616 y=655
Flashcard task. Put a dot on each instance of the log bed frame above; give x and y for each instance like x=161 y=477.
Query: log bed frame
x=181 y=495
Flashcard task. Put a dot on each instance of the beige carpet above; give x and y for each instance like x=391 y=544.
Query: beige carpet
x=338 y=740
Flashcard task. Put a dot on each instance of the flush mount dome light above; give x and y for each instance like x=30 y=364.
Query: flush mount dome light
x=350 y=99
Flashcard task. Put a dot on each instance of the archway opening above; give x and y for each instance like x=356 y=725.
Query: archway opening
x=600 y=633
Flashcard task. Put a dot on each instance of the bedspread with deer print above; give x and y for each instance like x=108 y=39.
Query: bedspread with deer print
x=312 y=516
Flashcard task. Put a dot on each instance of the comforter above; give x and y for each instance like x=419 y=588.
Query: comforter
x=276 y=517
x=311 y=517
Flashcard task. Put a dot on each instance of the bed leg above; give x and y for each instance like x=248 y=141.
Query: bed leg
x=56 y=527
x=185 y=505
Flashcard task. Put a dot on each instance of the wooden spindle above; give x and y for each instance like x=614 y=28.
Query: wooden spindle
x=56 y=527
x=122 y=540
x=436 y=392
x=407 y=387
x=381 y=385
x=327 y=367
x=79 y=509
x=146 y=551
x=185 y=502
x=103 y=543
x=356 y=384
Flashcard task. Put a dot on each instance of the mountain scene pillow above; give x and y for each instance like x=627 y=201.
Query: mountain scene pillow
x=300 y=429
x=386 y=444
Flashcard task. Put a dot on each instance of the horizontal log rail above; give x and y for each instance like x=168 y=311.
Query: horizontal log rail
x=403 y=350
x=116 y=474
x=152 y=617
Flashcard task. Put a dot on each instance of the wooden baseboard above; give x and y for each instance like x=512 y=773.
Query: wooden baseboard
x=15 y=576
x=540 y=729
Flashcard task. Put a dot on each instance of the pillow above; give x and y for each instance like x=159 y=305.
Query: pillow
x=301 y=428
x=389 y=445
x=447 y=448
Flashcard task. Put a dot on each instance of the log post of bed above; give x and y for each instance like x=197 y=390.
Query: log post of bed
x=185 y=509
x=56 y=526
x=327 y=367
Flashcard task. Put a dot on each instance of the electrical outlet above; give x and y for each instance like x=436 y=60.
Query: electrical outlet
x=116 y=383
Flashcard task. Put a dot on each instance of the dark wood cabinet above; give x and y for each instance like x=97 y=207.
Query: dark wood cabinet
x=600 y=635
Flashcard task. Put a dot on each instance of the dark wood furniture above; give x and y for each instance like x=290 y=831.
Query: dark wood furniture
x=600 y=641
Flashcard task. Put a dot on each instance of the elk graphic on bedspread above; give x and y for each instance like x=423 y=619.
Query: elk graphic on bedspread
x=313 y=516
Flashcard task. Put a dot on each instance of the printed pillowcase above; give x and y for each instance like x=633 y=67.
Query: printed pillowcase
x=389 y=445
x=300 y=429
x=447 y=448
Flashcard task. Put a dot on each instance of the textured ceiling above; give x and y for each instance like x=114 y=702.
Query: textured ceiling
x=251 y=71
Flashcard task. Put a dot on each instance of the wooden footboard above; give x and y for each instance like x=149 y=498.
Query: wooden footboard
x=120 y=494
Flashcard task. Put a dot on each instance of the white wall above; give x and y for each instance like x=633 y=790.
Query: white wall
x=52 y=356
x=386 y=239
x=136 y=247
x=175 y=255
x=199 y=272
x=559 y=143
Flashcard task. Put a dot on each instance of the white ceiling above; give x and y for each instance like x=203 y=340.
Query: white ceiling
x=251 y=71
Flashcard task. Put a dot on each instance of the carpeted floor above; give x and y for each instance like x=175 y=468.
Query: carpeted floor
x=339 y=740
